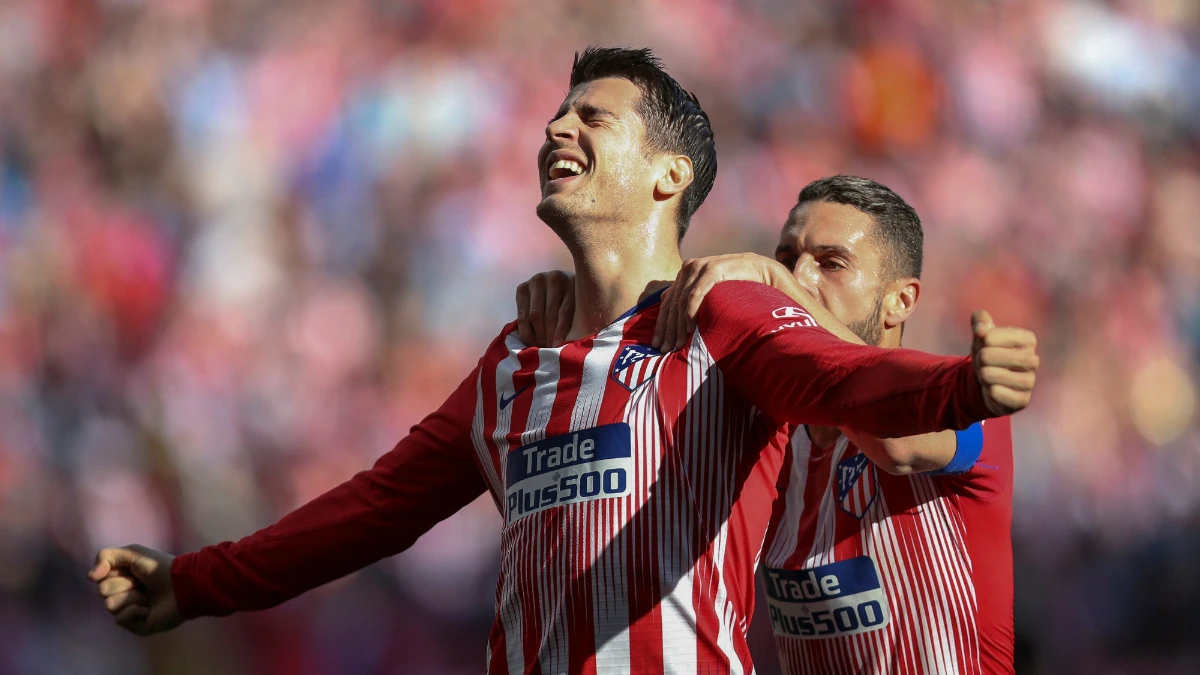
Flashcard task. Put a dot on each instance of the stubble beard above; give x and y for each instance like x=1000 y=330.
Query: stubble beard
x=570 y=218
x=870 y=329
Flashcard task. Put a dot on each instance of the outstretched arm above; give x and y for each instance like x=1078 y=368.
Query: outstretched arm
x=681 y=303
x=778 y=357
x=427 y=477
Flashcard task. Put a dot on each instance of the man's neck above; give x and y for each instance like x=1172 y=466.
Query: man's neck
x=614 y=274
x=890 y=338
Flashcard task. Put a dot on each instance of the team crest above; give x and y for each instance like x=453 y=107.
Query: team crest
x=856 y=485
x=635 y=365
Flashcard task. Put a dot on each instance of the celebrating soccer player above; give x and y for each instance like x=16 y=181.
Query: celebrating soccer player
x=884 y=556
x=635 y=485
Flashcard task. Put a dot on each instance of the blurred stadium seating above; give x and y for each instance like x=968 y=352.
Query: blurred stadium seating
x=244 y=245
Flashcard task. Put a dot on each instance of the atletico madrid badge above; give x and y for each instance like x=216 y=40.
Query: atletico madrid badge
x=856 y=485
x=635 y=365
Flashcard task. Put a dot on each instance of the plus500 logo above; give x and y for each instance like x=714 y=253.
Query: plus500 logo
x=569 y=469
x=841 y=598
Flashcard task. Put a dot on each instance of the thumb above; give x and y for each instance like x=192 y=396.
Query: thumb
x=981 y=323
x=121 y=559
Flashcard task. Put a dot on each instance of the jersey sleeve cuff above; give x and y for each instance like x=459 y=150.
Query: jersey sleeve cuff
x=188 y=598
x=969 y=446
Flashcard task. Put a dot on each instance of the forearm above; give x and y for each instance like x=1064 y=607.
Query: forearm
x=800 y=373
x=428 y=476
x=910 y=454
x=353 y=525
x=783 y=281
x=907 y=455
x=885 y=392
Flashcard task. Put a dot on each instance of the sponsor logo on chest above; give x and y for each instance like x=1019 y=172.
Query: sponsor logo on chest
x=834 y=600
x=580 y=466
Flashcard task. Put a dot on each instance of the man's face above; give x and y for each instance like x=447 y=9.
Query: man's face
x=592 y=166
x=832 y=253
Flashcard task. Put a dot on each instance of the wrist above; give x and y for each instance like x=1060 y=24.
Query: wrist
x=968 y=448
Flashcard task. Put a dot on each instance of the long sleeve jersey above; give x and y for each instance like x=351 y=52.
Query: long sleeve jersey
x=635 y=487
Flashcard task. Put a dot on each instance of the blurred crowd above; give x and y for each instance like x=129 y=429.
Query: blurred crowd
x=244 y=245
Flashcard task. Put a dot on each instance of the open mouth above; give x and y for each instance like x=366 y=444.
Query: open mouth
x=564 y=168
x=563 y=165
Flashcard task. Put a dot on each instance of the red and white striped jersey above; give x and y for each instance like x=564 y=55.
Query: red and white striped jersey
x=636 y=490
x=636 y=487
x=868 y=572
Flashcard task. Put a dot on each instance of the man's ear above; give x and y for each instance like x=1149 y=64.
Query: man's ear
x=900 y=300
x=675 y=177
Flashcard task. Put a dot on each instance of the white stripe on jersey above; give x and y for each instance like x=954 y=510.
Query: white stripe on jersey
x=509 y=605
x=943 y=527
x=788 y=530
x=610 y=578
x=545 y=386
x=708 y=383
x=481 y=449
x=545 y=383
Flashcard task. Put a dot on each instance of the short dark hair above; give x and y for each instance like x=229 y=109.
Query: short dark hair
x=897 y=226
x=672 y=115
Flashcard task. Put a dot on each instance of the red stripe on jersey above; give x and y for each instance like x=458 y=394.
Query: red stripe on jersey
x=488 y=405
x=488 y=409
x=644 y=530
x=577 y=620
x=526 y=564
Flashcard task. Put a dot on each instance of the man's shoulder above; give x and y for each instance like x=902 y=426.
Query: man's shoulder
x=506 y=343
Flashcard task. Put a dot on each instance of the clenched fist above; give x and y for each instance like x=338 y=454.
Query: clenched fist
x=135 y=583
x=1006 y=363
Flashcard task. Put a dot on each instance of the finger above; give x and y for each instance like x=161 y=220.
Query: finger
x=1011 y=400
x=115 y=603
x=660 y=325
x=1024 y=360
x=681 y=318
x=133 y=618
x=669 y=311
x=116 y=585
x=1009 y=336
x=701 y=289
x=691 y=272
x=1017 y=381
x=981 y=323
x=566 y=314
x=124 y=558
x=100 y=568
x=554 y=301
x=524 y=328
x=537 y=309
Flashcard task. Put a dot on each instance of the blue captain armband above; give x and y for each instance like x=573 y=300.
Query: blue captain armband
x=969 y=447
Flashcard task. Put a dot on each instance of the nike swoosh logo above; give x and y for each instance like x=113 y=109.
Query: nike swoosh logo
x=504 y=401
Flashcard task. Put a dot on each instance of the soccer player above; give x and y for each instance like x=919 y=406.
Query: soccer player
x=635 y=486
x=884 y=556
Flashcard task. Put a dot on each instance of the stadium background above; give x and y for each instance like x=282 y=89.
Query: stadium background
x=244 y=245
